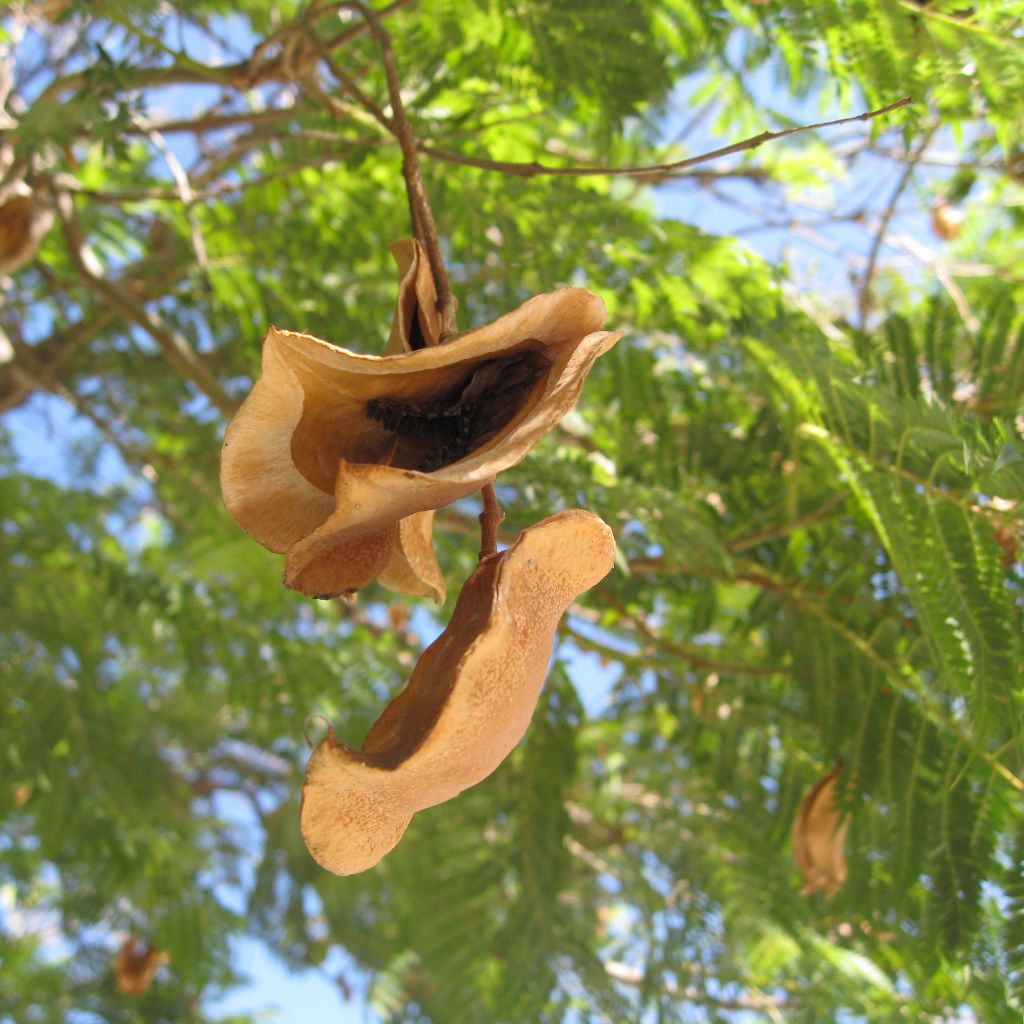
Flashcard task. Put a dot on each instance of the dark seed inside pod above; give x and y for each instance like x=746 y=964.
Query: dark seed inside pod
x=448 y=428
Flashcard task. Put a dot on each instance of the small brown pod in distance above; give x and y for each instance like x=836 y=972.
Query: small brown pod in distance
x=819 y=838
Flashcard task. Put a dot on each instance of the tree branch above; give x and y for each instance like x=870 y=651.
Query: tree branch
x=184 y=187
x=864 y=299
x=753 y=540
x=533 y=170
x=419 y=203
x=685 y=654
x=244 y=74
x=34 y=366
x=176 y=349
x=634 y=976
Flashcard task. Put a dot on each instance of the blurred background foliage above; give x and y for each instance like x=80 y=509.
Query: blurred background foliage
x=809 y=445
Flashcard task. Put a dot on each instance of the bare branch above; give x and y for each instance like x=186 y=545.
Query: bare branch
x=176 y=349
x=419 y=203
x=180 y=176
x=35 y=366
x=677 y=651
x=753 y=540
x=246 y=74
x=353 y=87
x=864 y=300
x=533 y=170
x=634 y=976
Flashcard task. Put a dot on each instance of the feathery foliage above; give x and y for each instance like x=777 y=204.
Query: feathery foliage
x=814 y=473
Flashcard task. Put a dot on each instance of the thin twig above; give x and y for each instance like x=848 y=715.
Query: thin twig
x=223 y=188
x=533 y=170
x=864 y=299
x=419 y=203
x=685 y=654
x=753 y=540
x=352 y=86
x=637 y=977
x=176 y=349
x=642 y=657
x=184 y=187
x=211 y=122
x=490 y=520
x=905 y=683
x=247 y=73
x=36 y=366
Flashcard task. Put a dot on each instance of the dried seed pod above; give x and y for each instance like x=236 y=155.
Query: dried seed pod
x=468 y=702
x=819 y=838
x=23 y=222
x=332 y=449
x=416 y=323
x=946 y=221
x=136 y=965
x=1008 y=536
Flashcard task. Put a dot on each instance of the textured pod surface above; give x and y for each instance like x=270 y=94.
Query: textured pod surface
x=819 y=838
x=332 y=448
x=468 y=702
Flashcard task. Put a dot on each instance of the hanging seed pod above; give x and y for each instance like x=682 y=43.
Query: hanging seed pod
x=946 y=221
x=332 y=450
x=819 y=838
x=136 y=965
x=468 y=702
x=23 y=222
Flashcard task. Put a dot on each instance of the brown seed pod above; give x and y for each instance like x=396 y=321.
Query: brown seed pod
x=23 y=222
x=468 y=702
x=333 y=450
x=819 y=838
x=1008 y=537
x=136 y=965
x=946 y=221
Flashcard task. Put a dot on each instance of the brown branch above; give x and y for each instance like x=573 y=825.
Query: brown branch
x=35 y=366
x=753 y=540
x=642 y=657
x=352 y=86
x=247 y=73
x=864 y=299
x=463 y=525
x=533 y=170
x=634 y=976
x=677 y=650
x=184 y=187
x=174 y=347
x=210 y=122
x=222 y=189
x=419 y=203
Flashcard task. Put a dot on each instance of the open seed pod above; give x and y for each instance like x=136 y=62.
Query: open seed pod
x=819 y=838
x=468 y=702
x=332 y=449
